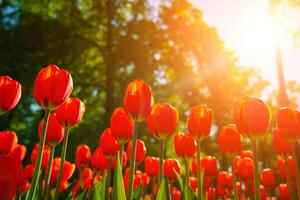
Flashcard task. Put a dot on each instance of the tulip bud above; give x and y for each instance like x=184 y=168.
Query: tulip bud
x=184 y=145
x=140 y=150
x=151 y=166
x=52 y=87
x=109 y=144
x=138 y=99
x=288 y=123
x=252 y=117
x=230 y=141
x=268 y=178
x=10 y=93
x=83 y=155
x=8 y=141
x=162 y=121
x=70 y=112
x=121 y=125
x=199 y=122
x=169 y=166
x=54 y=133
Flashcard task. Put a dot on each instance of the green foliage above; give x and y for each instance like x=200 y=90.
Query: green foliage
x=118 y=187
x=163 y=191
x=105 y=45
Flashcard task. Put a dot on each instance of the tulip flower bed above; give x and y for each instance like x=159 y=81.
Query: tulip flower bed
x=109 y=172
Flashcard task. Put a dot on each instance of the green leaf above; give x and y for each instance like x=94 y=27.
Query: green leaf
x=179 y=179
x=97 y=191
x=188 y=193
x=136 y=195
x=163 y=192
x=82 y=195
x=118 y=187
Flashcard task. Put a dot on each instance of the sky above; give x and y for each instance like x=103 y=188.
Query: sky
x=245 y=27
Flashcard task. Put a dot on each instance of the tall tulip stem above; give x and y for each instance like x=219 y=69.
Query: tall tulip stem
x=187 y=170
x=38 y=163
x=296 y=167
x=161 y=161
x=121 y=153
x=48 y=174
x=199 y=170
x=256 y=173
x=108 y=179
x=132 y=162
x=288 y=177
x=63 y=157
x=234 y=181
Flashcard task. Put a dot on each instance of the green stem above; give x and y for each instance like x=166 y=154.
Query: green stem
x=38 y=163
x=296 y=168
x=234 y=181
x=108 y=178
x=187 y=170
x=256 y=173
x=48 y=173
x=121 y=153
x=132 y=162
x=63 y=157
x=288 y=177
x=199 y=170
x=161 y=161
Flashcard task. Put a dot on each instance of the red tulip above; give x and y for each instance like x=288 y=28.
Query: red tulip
x=208 y=165
x=24 y=186
x=268 y=178
x=83 y=156
x=176 y=194
x=211 y=193
x=54 y=132
x=283 y=191
x=281 y=145
x=28 y=172
x=68 y=170
x=137 y=180
x=224 y=184
x=109 y=144
x=140 y=150
x=162 y=121
x=8 y=141
x=199 y=122
x=291 y=167
x=45 y=157
x=11 y=176
x=247 y=154
x=252 y=117
x=244 y=168
x=151 y=166
x=184 y=145
x=10 y=93
x=138 y=99
x=262 y=191
x=124 y=160
x=193 y=182
x=288 y=123
x=169 y=166
x=99 y=160
x=70 y=112
x=230 y=140
x=19 y=152
x=146 y=179
x=52 y=87
x=121 y=125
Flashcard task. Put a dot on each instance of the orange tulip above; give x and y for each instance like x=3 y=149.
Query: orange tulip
x=162 y=121
x=121 y=125
x=288 y=123
x=109 y=144
x=252 y=117
x=140 y=150
x=83 y=155
x=199 y=122
x=230 y=140
x=138 y=99
x=8 y=141
x=68 y=170
x=184 y=145
x=171 y=165
x=281 y=145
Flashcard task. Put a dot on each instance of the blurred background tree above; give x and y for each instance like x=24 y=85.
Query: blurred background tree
x=107 y=44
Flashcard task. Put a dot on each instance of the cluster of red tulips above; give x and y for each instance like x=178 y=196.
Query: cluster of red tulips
x=110 y=172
